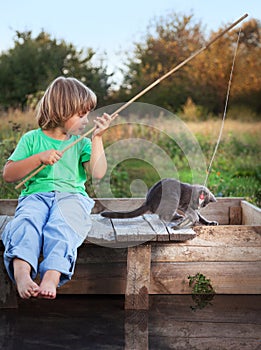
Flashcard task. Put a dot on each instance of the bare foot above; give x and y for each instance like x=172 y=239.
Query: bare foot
x=49 y=284
x=26 y=287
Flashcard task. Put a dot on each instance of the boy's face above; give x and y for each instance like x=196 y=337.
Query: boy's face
x=76 y=124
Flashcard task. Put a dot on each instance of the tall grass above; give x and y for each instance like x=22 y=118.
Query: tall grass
x=236 y=169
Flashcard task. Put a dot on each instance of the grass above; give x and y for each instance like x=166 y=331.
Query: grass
x=164 y=151
x=236 y=170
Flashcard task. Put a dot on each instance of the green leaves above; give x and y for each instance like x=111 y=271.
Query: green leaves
x=34 y=62
x=202 y=291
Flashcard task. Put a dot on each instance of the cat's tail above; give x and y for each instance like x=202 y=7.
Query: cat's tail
x=126 y=214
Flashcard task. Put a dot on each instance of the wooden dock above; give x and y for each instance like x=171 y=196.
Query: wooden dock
x=143 y=256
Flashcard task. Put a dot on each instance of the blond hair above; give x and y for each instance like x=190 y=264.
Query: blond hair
x=64 y=98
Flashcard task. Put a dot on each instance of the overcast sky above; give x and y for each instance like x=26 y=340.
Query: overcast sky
x=111 y=26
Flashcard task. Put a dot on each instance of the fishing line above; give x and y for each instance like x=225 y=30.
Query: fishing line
x=225 y=110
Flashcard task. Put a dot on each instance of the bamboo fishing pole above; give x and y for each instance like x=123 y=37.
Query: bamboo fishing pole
x=141 y=93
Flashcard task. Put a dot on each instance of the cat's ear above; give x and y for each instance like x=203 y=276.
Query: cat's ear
x=201 y=198
x=211 y=197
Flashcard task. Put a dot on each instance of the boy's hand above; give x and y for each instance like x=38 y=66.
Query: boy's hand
x=50 y=157
x=102 y=124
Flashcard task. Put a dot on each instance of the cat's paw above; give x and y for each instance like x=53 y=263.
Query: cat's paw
x=213 y=223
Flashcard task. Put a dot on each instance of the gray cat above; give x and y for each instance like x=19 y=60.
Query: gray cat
x=166 y=197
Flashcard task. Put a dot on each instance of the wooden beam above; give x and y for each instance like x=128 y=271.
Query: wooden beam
x=135 y=230
x=235 y=215
x=102 y=232
x=138 y=277
x=136 y=330
x=164 y=253
x=181 y=235
x=227 y=236
x=225 y=308
x=97 y=278
x=226 y=277
x=158 y=227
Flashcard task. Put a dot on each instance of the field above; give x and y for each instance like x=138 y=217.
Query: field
x=141 y=151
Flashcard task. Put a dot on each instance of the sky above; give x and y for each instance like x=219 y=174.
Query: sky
x=111 y=26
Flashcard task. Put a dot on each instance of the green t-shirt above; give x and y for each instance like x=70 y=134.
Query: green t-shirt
x=67 y=175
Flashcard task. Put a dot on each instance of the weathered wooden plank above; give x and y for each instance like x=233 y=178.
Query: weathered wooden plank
x=92 y=254
x=251 y=215
x=181 y=235
x=235 y=319
x=235 y=216
x=227 y=236
x=158 y=227
x=166 y=233
x=185 y=253
x=169 y=252
x=229 y=323
x=133 y=230
x=218 y=342
x=226 y=277
x=106 y=278
x=102 y=232
x=167 y=278
x=206 y=336
x=244 y=309
x=138 y=277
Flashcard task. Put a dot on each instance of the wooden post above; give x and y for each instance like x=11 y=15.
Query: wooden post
x=136 y=330
x=138 y=277
x=235 y=215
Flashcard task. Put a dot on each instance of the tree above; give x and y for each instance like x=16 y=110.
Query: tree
x=210 y=71
x=247 y=81
x=204 y=79
x=168 y=42
x=33 y=63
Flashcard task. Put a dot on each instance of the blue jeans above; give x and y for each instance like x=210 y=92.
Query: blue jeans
x=54 y=224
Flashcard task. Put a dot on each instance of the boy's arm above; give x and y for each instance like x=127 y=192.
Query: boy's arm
x=17 y=170
x=97 y=166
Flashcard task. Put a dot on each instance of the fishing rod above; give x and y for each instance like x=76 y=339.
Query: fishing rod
x=141 y=93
